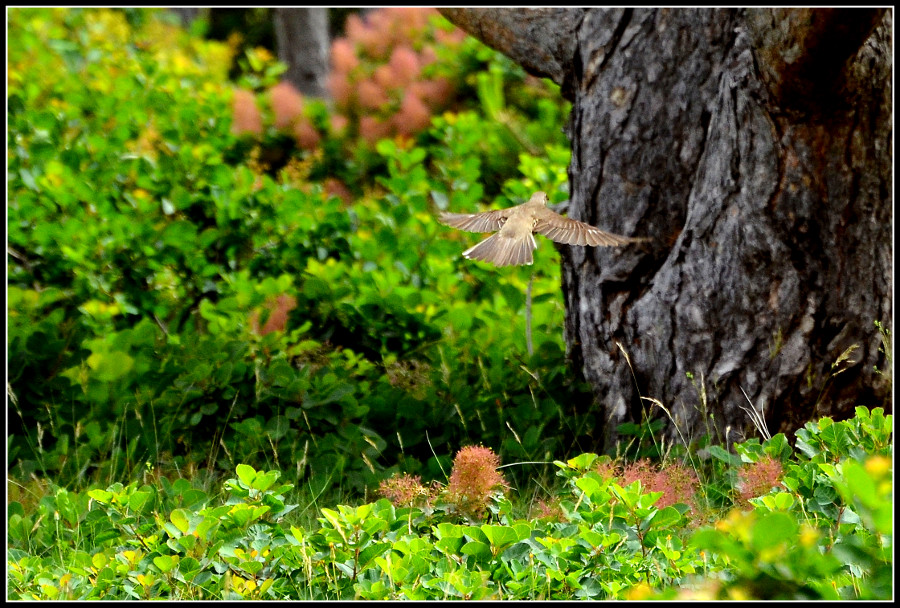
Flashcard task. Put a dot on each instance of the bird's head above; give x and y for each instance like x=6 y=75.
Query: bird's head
x=539 y=198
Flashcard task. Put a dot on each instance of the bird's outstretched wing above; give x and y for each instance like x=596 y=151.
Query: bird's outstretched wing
x=572 y=232
x=487 y=221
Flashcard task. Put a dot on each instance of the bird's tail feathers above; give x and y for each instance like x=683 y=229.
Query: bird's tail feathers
x=503 y=251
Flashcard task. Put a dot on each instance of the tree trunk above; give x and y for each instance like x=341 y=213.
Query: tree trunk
x=754 y=148
x=301 y=36
x=187 y=14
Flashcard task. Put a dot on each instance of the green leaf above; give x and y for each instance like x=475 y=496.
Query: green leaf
x=180 y=518
x=265 y=480
x=140 y=501
x=773 y=530
x=582 y=462
x=246 y=474
x=861 y=484
x=367 y=554
x=101 y=496
x=110 y=366
x=450 y=544
x=665 y=517
x=477 y=549
x=165 y=563
x=500 y=536
x=18 y=527
x=720 y=453
x=475 y=533
x=333 y=517
x=589 y=486
x=784 y=501
x=187 y=542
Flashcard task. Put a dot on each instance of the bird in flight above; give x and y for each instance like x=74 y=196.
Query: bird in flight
x=513 y=243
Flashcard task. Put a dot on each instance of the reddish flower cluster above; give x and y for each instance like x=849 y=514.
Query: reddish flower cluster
x=759 y=478
x=279 y=308
x=677 y=482
x=287 y=108
x=548 y=510
x=377 y=71
x=642 y=471
x=335 y=187
x=383 y=29
x=247 y=117
x=606 y=469
x=376 y=81
x=404 y=490
x=473 y=478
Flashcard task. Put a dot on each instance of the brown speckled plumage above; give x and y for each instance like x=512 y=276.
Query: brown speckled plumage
x=514 y=242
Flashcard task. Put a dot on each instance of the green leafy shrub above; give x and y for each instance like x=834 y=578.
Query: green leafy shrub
x=604 y=540
x=172 y=301
x=821 y=525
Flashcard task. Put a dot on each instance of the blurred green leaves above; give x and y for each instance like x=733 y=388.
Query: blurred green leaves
x=170 y=296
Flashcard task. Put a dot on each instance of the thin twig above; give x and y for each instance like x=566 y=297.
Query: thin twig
x=528 y=343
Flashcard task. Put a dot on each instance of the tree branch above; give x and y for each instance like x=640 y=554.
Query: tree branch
x=541 y=40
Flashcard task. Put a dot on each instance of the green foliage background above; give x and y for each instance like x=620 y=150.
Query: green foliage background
x=144 y=235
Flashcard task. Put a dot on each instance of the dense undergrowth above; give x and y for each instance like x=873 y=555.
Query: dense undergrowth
x=209 y=279
x=810 y=523
x=175 y=300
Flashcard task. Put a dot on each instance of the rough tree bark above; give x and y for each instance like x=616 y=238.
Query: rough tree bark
x=754 y=148
x=301 y=35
